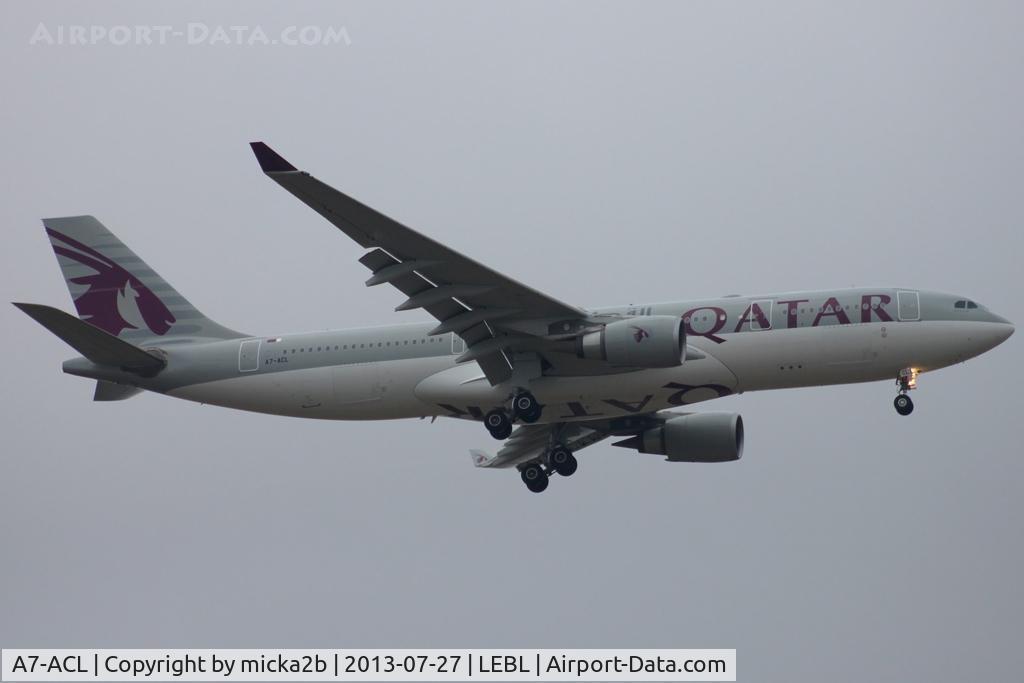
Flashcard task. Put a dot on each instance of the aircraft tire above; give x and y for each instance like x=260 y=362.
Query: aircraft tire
x=498 y=423
x=526 y=407
x=903 y=404
x=535 y=478
x=562 y=460
x=568 y=468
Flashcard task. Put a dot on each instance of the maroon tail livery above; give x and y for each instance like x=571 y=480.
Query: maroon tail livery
x=114 y=290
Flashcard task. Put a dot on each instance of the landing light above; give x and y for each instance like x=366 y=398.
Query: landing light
x=908 y=378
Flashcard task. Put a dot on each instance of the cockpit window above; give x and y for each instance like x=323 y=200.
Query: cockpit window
x=960 y=304
x=971 y=304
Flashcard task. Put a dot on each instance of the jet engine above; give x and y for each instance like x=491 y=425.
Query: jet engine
x=697 y=437
x=650 y=341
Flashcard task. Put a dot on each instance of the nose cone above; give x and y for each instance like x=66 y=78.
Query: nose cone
x=1000 y=319
x=990 y=335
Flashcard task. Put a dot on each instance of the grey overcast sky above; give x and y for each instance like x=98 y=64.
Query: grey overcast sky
x=605 y=153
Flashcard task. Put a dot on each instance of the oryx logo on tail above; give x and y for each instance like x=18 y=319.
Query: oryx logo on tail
x=115 y=299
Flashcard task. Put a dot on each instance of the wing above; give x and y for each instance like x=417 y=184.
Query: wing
x=491 y=312
x=529 y=442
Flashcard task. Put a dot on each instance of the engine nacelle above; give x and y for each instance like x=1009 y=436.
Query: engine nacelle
x=650 y=341
x=699 y=437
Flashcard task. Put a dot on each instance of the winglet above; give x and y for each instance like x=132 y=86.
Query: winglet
x=270 y=161
x=480 y=458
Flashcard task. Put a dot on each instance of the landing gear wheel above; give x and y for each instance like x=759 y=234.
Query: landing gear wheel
x=498 y=423
x=526 y=408
x=562 y=461
x=535 y=478
x=569 y=468
x=904 y=406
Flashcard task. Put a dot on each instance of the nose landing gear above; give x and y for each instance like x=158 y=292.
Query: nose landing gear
x=907 y=381
x=904 y=406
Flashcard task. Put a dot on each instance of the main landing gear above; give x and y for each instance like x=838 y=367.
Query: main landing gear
x=558 y=459
x=561 y=460
x=907 y=381
x=498 y=423
x=525 y=408
x=535 y=477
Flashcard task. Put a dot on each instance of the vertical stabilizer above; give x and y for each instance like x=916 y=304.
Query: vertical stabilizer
x=114 y=290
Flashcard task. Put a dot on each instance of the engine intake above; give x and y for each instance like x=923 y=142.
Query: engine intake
x=698 y=437
x=651 y=341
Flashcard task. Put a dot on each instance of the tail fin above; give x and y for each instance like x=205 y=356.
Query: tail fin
x=114 y=290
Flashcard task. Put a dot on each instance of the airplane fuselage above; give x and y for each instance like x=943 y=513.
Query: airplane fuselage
x=734 y=344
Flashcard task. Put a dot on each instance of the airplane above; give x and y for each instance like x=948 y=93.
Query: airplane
x=545 y=377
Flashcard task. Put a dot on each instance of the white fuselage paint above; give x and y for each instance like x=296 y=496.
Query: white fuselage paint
x=382 y=383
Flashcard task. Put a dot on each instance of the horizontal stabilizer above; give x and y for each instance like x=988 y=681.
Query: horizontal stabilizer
x=111 y=391
x=98 y=346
